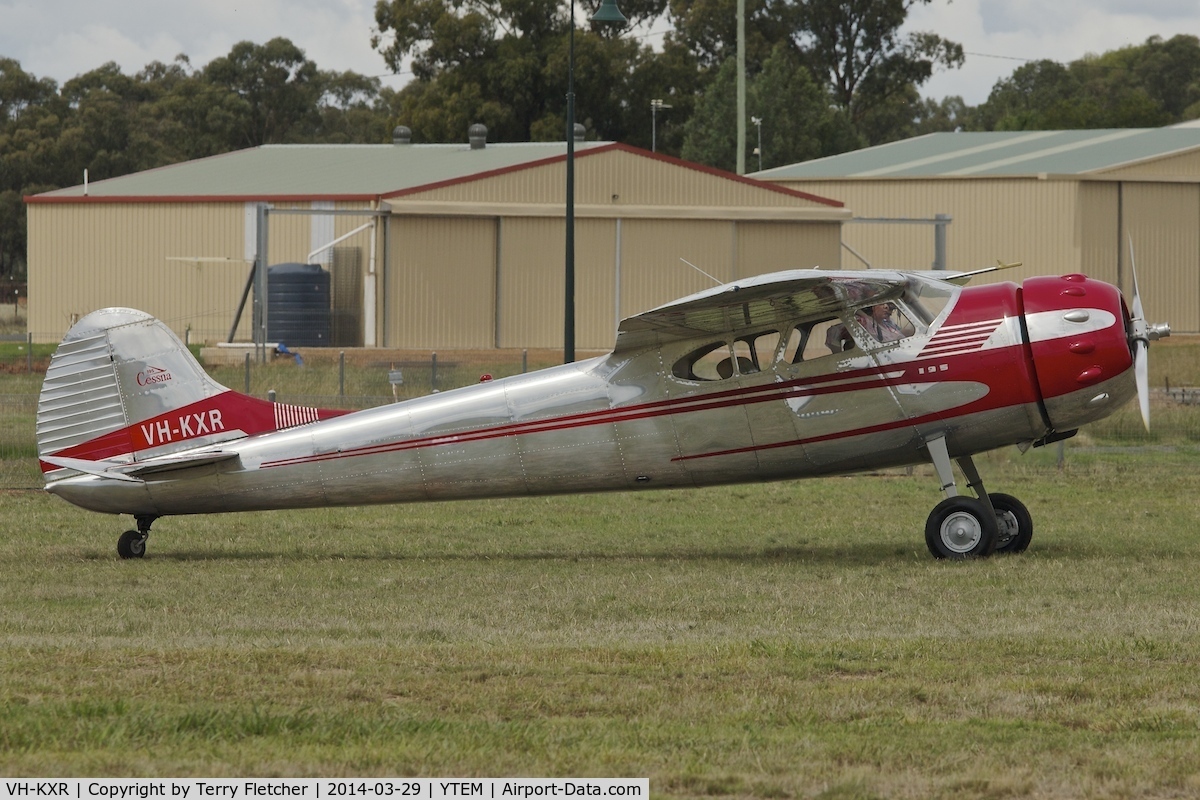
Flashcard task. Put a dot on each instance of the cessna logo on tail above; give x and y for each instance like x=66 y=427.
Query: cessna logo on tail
x=153 y=375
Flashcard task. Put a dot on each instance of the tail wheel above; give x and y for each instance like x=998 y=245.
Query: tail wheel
x=1016 y=526
x=961 y=527
x=132 y=544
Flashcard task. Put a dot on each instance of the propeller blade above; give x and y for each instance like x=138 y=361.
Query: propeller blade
x=1137 y=296
x=1141 y=374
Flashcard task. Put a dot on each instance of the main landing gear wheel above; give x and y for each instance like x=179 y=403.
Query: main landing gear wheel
x=132 y=544
x=1016 y=526
x=961 y=527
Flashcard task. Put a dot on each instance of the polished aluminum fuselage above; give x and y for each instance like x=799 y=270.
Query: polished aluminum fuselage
x=977 y=377
x=599 y=425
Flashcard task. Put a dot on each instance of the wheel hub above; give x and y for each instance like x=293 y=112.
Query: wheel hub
x=961 y=532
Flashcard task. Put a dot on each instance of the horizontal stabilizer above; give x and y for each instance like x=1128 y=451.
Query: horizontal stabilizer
x=134 y=472
x=176 y=462
x=103 y=469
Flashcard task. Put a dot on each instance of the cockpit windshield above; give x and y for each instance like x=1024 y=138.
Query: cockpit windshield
x=927 y=298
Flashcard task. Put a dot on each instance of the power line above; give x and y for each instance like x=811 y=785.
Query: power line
x=1007 y=58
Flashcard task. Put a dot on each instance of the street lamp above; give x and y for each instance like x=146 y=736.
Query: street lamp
x=655 y=107
x=610 y=14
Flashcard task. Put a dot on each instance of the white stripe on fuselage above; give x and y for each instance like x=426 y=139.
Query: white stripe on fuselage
x=1046 y=325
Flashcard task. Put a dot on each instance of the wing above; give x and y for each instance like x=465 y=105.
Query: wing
x=758 y=303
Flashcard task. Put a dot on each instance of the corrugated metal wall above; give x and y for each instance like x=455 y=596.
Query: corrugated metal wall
x=532 y=281
x=1011 y=220
x=89 y=256
x=1173 y=168
x=1163 y=221
x=647 y=271
x=127 y=254
x=772 y=246
x=652 y=272
x=441 y=282
x=1096 y=224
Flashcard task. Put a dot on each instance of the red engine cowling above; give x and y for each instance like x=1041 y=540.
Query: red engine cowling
x=1078 y=335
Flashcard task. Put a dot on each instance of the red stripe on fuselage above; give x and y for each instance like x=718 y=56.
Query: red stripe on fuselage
x=221 y=414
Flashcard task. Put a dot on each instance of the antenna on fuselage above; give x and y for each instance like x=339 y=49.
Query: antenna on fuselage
x=702 y=272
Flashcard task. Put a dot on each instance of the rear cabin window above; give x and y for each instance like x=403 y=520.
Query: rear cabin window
x=720 y=360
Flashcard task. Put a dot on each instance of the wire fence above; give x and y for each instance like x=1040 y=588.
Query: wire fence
x=367 y=378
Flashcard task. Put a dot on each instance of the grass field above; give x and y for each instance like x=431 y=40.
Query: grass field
x=789 y=640
x=784 y=640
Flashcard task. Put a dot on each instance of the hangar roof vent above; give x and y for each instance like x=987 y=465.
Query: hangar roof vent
x=477 y=136
x=401 y=134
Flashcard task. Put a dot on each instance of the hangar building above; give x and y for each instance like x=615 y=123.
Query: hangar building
x=1058 y=201
x=428 y=245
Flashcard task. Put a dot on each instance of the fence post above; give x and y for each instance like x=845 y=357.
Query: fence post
x=247 y=373
x=29 y=352
x=433 y=371
x=342 y=374
x=524 y=361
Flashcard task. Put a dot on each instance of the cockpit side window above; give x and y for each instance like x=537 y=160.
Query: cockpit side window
x=885 y=322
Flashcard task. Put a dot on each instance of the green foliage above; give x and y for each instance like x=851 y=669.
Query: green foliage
x=112 y=124
x=708 y=28
x=1148 y=85
x=798 y=120
x=505 y=64
x=870 y=66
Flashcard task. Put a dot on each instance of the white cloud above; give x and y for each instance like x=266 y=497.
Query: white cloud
x=63 y=38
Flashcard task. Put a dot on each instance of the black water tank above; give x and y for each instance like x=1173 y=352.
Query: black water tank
x=298 y=305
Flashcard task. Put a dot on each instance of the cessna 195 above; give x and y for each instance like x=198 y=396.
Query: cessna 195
x=787 y=375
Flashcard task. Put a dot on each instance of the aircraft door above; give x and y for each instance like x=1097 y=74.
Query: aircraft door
x=839 y=390
x=769 y=414
x=708 y=398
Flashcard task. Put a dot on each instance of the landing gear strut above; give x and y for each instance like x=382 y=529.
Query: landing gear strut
x=966 y=527
x=132 y=544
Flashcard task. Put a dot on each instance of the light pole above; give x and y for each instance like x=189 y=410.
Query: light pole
x=655 y=107
x=607 y=13
x=758 y=150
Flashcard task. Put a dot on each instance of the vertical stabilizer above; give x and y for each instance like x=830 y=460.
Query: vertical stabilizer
x=122 y=387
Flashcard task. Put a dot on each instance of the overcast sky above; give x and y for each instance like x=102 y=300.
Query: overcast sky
x=63 y=38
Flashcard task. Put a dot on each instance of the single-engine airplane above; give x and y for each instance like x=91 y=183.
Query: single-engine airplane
x=786 y=375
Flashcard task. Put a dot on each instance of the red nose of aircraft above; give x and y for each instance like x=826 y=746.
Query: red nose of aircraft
x=1085 y=346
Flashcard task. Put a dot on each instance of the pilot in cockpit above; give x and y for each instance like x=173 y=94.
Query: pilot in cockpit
x=880 y=320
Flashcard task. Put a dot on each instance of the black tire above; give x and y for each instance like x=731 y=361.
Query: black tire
x=132 y=544
x=961 y=527
x=1015 y=524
